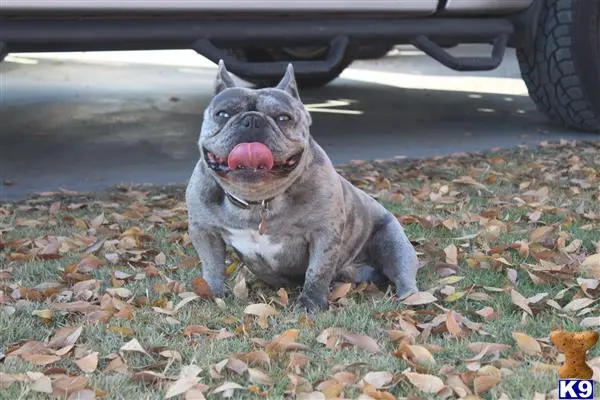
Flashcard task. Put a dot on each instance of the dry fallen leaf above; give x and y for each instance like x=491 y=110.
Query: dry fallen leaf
x=527 y=344
x=69 y=384
x=363 y=341
x=263 y=311
x=227 y=389
x=201 y=288
x=482 y=384
x=65 y=337
x=519 y=300
x=420 y=355
x=378 y=379
x=330 y=388
x=451 y=255
x=578 y=304
x=88 y=363
x=134 y=346
x=188 y=378
x=39 y=382
x=424 y=382
x=260 y=377
x=419 y=298
x=240 y=290
x=340 y=292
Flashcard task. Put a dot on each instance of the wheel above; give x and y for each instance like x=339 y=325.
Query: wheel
x=304 y=81
x=562 y=68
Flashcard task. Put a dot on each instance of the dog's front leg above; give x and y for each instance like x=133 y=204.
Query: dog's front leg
x=211 y=250
x=324 y=255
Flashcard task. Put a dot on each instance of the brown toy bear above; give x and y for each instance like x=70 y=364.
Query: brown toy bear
x=574 y=346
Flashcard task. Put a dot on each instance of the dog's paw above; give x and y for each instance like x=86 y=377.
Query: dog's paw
x=217 y=288
x=405 y=292
x=312 y=304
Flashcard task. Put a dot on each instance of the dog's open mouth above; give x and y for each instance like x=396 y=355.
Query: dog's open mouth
x=250 y=161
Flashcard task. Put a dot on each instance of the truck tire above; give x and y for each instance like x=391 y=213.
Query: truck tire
x=561 y=68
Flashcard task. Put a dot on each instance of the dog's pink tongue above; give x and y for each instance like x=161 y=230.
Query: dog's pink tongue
x=250 y=156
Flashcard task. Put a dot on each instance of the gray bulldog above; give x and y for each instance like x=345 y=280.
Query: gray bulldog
x=264 y=187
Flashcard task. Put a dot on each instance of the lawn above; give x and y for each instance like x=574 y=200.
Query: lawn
x=101 y=295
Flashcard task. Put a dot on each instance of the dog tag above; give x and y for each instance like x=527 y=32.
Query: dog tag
x=262 y=226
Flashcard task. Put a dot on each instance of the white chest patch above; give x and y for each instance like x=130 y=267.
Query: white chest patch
x=250 y=243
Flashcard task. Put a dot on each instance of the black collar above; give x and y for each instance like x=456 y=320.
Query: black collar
x=241 y=203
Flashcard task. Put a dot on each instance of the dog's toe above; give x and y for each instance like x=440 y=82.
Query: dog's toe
x=312 y=304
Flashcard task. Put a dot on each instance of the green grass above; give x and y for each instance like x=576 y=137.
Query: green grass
x=421 y=189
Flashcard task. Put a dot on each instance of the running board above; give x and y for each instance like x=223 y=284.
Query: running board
x=464 y=63
x=3 y=51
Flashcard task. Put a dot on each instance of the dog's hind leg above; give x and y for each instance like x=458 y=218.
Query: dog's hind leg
x=361 y=273
x=391 y=254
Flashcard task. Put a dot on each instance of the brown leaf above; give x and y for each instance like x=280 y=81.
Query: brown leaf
x=378 y=378
x=490 y=348
x=283 y=297
x=578 y=304
x=134 y=346
x=83 y=394
x=419 y=298
x=527 y=344
x=330 y=388
x=187 y=379
x=469 y=181
x=117 y=365
x=263 y=311
x=201 y=288
x=88 y=363
x=519 y=300
x=259 y=357
x=363 y=341
x=39 y=382
x=240 y=290
x=482 y=384
x=54 y=208
x=451 y=255
x=340 y=292
x=64 y=387
x=40 y=359
x=259 y=377
x=487 y=313
x=424 y=382
x=420 y=355
x=148 y=377
x=539 y=234
x=345 y=378
x=453 y=326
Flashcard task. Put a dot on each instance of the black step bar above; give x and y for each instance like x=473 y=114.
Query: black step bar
x=3 y=51
x=210 y=36
x=464 y=63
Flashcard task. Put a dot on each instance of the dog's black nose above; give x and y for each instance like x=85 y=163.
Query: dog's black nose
x=252 y=121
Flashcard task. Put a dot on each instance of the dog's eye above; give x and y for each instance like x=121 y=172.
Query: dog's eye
x=283 y=117
x=223 y=114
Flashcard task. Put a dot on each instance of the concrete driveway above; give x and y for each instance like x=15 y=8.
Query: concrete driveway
x=87 y=121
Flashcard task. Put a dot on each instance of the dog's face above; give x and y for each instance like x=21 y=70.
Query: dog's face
x=254 y=141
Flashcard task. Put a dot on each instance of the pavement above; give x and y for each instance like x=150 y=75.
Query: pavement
x=87 y=121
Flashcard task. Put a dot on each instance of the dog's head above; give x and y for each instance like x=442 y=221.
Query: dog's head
x=255 y=141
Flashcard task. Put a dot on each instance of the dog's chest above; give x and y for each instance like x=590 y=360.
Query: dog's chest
x=252 y=244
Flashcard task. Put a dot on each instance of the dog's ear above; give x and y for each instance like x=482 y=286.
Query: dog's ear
x=288 y=82
x=224 y=80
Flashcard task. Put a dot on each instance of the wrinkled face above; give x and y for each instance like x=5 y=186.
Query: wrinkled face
x=254 y=141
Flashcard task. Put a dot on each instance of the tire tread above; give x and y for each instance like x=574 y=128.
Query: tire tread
x=549 y=70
